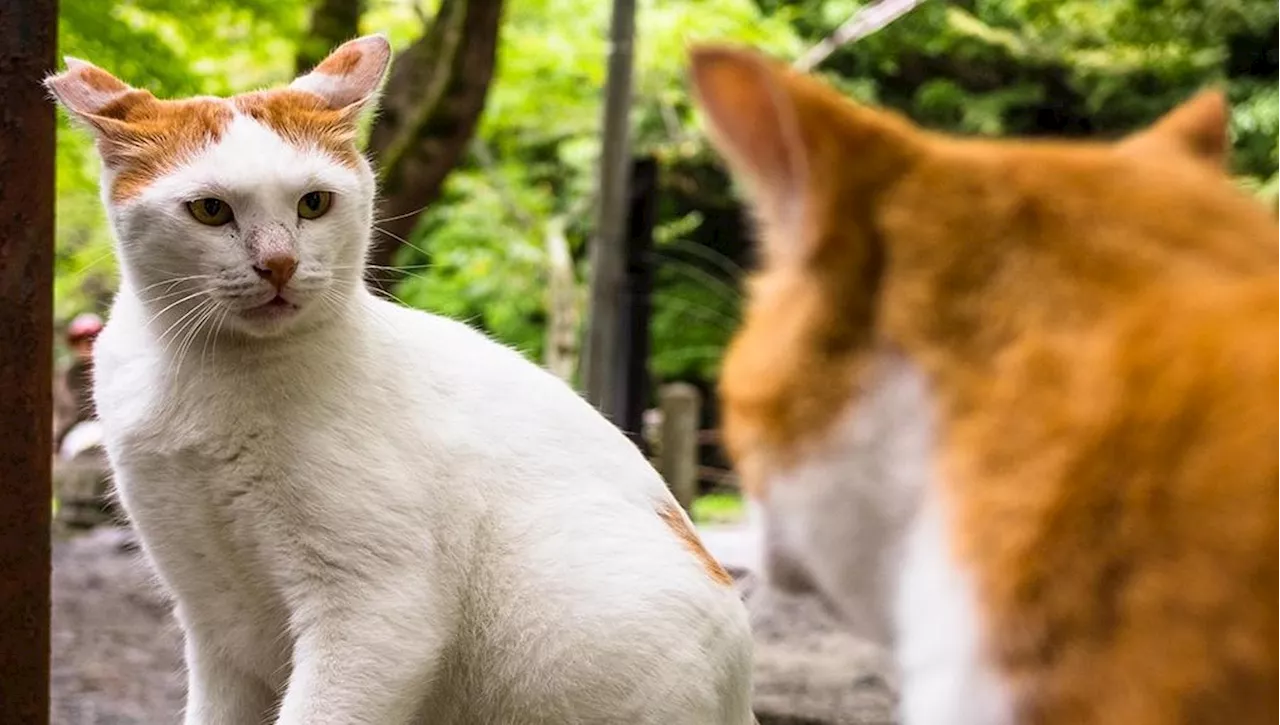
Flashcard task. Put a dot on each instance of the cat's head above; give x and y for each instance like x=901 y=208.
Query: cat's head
x=879 y=236
x=253 y=210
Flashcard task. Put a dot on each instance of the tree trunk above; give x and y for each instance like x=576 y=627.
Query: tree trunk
x=333 y=22
x=431 y=104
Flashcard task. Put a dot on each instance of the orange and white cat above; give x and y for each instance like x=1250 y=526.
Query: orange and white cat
x=1011 y=406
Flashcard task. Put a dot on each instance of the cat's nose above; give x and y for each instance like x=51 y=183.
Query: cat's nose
x=277 y=269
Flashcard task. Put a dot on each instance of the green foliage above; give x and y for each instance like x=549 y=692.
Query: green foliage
x=484 y=242
x=718 y=508
x=989 y=67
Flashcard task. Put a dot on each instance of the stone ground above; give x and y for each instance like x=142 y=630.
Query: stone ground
x=116 y=650
x=117 y=653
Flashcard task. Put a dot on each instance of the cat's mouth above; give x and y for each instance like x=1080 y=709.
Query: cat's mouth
x=275 y=308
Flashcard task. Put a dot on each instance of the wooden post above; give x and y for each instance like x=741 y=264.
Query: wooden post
x=28 y=37
x=631 y=357
x=681 y=405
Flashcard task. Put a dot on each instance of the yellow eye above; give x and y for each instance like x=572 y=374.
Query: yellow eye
x=214 y=212
x=315 y=204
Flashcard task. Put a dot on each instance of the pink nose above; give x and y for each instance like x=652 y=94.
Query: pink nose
x=277 y=269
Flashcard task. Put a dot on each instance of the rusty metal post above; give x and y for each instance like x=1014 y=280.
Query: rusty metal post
x=28 y=37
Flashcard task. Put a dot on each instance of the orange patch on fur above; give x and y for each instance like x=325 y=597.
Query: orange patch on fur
x=304 y=120
x=1098 y=325
x=143 y=138
x=675 y=520
x=100 y=80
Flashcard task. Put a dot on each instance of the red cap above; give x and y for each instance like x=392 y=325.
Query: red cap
x=84 y=327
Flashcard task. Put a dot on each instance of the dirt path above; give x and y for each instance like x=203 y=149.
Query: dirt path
x=117 y=656
x=117 y=652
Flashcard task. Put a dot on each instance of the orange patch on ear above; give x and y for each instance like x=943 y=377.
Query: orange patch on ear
x=341 y=62
x=349 y=78
x=675 y=520
x=100 y=80
x=303 y=119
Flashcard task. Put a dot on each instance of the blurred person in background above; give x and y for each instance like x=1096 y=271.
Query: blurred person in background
x=73 y=386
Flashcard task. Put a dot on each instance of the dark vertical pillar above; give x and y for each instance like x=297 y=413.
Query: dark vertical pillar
x=632 y=356
x=28 y=34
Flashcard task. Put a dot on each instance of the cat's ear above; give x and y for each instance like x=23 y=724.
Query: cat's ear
x=754 y=125
x=93 y=96
x=1197 y=127
x=348 y=80
x=801 y=150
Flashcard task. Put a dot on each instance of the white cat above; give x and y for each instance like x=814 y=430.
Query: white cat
x=368 y=514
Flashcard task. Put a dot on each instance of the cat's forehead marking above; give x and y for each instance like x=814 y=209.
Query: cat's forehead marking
x=163 y=135
x=302 y=119
x=160 y=136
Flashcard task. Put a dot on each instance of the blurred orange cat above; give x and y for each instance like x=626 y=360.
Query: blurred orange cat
x=1011 y=405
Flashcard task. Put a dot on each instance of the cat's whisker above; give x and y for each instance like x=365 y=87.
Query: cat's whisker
x=193 y=335
x=171 y=305
x=709 y=314
x=723 y=289
x=395 y=278
x=179 y=325
x=89 y=267
x=168 y=284
x=727 y=265
x=402 y=240
x=702 y=352
x=405 y=215
x=217 y=328
x=395 y=268
x=167 y=295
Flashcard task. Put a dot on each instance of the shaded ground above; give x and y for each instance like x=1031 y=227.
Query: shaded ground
x=117 y=653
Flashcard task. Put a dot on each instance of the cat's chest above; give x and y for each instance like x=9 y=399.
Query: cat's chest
x=227 y=442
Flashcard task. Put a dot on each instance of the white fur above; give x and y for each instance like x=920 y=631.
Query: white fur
x=858 y=519
x=369 y=514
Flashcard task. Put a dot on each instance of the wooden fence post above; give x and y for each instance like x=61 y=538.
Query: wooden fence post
x=681 y=405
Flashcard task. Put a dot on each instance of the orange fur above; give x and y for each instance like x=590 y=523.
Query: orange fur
x=304 y=120
x=1098 y=326
x=141 y=137
x=675 y=520
x=153 y=137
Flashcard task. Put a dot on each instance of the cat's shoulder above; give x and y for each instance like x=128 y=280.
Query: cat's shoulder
x=435 y=340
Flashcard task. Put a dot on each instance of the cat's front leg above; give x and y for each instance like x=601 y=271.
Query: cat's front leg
x=218 y=692
x=353 y=670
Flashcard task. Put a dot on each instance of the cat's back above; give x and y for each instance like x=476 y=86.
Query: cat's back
x=1143 y=556
x=462 y=384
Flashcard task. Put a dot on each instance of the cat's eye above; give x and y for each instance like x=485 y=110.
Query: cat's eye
x=315 y=204
x=214 y=212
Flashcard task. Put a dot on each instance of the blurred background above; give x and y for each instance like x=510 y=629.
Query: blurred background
x=489 y=153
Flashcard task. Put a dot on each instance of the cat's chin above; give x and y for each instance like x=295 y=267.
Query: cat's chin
x=270 y=319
